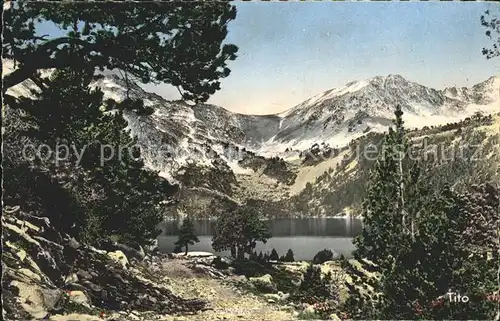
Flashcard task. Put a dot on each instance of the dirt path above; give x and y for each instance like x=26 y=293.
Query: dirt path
x=225 y=301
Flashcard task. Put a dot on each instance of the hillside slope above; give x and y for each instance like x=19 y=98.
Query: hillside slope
x=221 y=159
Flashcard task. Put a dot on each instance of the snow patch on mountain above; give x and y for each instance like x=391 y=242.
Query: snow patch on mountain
x=178 y=134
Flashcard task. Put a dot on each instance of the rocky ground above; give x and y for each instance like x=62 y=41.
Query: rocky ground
x=48 y=275
x=224 y=300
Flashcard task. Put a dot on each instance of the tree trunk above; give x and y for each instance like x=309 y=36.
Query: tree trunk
x=241 y=253
x=233 y=251
x=186 y=253
x=401 y=188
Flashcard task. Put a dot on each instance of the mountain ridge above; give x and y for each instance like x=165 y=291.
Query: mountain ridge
x=336 y=116
x=221 y=159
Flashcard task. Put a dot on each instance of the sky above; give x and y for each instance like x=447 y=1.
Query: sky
x=291 y=51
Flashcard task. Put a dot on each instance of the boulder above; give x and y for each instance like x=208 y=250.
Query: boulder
x=272 y=296
x=119 y=257
x=133 y=253
x=30 y=274
x=37 y=260
x=30 y=298
x=208 y=270
x=79 y=297
x=51 y=297
x=84 y=275
x=283 y=296
x=280 y=296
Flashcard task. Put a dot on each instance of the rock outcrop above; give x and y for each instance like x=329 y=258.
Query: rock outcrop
x=46 y=274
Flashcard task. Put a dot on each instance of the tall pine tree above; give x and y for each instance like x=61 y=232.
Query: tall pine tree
x=187 y=235
x=422 y=245
x=126 y=202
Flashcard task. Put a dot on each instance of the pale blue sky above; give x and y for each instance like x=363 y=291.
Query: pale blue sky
x=290 y=51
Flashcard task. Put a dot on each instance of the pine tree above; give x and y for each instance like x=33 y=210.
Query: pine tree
x=490 y=22
x=394 y=197
x=422 y=244
x=289 y=256
x=193 y=35
x=274 y=255
x=116 y=198
x=260 y=257
x=239 y=232
x=187 y=234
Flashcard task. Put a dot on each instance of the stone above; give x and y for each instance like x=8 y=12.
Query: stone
x=239 y=278
x=119 y=257
x=130 y=251
x=72 y=278
x=79 y=297
x=272 y=296
x=309 y=309
x=84 y=274
x=31 y=299
x=73 y=243
x=21 y=254
x=30 y=274
x=97 y=250
x=50 y=297
x=29 y=288
x=93 y=287
x=283 y=296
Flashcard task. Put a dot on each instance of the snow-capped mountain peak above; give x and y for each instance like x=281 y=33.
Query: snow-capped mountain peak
x=339 y=115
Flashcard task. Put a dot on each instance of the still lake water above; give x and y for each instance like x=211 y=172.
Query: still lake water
x=305 y=236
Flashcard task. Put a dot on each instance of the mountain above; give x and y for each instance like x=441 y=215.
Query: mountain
x=339 y=115
x=221 y=158
x=336 y=117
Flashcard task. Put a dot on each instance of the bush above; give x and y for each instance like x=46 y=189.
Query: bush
x=323 y=256
x=315 y=288
x=250 y=268
x=325 y=309
x=93 y=203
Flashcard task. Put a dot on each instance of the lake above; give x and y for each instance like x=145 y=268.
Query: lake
x=305 y=236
